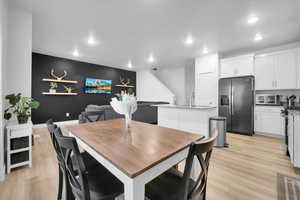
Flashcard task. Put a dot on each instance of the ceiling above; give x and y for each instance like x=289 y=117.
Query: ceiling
x=133 y=29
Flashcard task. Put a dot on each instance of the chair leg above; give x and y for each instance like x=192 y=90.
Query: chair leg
x=68 y=191
x=60 y=184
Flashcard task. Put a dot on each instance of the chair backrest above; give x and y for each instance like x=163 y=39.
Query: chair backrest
x=202 y=150
x=51 y=128
x=74 y=165
x=93 y=116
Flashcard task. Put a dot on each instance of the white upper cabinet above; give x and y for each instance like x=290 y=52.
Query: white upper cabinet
x=264 y=72
x=205 y=64
x=237 y=66
x=206 y=80
x=298 y=67
x=276 y=71
x=285 y=70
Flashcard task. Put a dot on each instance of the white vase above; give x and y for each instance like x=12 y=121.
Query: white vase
x=128 y=121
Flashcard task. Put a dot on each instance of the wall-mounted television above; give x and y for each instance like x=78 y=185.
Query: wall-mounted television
x=97 y=86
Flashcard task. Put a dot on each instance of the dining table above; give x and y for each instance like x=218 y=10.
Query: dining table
x=135 y=155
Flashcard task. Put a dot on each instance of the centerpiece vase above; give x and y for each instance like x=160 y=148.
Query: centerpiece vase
x=128 y=121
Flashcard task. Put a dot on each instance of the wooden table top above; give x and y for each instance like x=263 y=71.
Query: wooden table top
x=136 y=151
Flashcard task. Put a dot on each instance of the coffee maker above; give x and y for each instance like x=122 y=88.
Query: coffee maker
x=291 y=101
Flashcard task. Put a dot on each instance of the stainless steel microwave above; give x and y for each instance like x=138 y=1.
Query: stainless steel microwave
x=267 y=99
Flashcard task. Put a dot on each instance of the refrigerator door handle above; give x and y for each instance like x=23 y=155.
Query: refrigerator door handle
x=232 y=101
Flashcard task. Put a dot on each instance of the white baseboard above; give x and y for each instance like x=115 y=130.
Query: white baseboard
x=61 y=123
x=2 y=173
x=269 y=135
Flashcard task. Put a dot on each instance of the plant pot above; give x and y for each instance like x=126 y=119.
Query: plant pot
x=22 y=119
x=52 y=91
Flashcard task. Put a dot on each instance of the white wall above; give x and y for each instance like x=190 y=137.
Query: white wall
x=174 y=79
x=15 y=59
x=19 y=52
x=3 y=53
x=149 y=88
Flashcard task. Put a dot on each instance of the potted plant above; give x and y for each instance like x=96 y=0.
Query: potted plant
x=68 y=89
x=21 y=106
x=53 y=87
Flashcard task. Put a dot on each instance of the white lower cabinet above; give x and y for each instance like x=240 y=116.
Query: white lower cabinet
x=268 y=121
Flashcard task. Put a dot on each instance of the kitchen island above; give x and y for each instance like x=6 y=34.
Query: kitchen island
x=192 y=119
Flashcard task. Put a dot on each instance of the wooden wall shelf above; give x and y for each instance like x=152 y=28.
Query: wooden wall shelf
x=60 y=93
x=125 y=86
x=59 y=81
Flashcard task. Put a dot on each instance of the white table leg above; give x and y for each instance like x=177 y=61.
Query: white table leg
x=134 y=190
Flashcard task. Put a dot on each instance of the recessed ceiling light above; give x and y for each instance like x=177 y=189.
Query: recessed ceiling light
x=91 y=40
x=151 y=58
x=258 y=37
x=129 y=65
x=205 y=50
x=252 y=19
x=75 y=53
x=189 y=40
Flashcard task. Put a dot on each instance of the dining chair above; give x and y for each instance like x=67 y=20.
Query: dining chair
x=92 y=116
x=61 y=169
x=86 y=183
x=174 y=185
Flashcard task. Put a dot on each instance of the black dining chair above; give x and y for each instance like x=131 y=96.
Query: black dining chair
x=86 y=183
x=174 y=185
x=92 y=116
x=61 y=175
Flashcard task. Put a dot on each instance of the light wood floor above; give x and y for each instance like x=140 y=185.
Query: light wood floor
x=245 y=171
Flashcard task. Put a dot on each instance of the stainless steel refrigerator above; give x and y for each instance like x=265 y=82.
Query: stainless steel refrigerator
x=236 y=103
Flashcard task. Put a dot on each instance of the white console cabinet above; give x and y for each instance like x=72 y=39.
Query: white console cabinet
x=18 y=145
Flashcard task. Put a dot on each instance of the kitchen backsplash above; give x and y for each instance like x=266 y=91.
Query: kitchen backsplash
x=282 y=93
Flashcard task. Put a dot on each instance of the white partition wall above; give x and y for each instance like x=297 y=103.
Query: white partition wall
x=3 y=34
x=149 y=88
x=19 y=51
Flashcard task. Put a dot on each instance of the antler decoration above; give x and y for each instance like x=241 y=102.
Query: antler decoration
x=123 y=83
x=57 y=77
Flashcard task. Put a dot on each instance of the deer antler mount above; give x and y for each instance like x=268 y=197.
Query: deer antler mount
x=122 y=80
x=59 y=78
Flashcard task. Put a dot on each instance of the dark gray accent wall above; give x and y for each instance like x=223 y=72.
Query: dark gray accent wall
x=56 y=107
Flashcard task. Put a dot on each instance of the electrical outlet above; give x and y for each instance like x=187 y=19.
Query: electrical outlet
x=67 y=114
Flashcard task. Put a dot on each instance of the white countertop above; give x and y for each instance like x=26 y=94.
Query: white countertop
x=185 y=106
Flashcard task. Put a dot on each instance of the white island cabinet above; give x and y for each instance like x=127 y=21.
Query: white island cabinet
x=193 y=119
x=294 y=137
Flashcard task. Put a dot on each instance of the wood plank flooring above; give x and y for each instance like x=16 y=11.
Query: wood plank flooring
x=245 y=171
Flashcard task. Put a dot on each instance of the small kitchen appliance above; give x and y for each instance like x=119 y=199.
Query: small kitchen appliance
x=267 y=99
x=291 y=101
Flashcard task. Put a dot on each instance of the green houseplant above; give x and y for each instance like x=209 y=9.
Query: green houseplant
x=21 y=106
x=53 y=87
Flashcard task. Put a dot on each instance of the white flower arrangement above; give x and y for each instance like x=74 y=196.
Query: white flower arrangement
x=125 y=104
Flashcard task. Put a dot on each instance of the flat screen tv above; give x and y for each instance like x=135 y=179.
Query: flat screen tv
x=97 y=86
